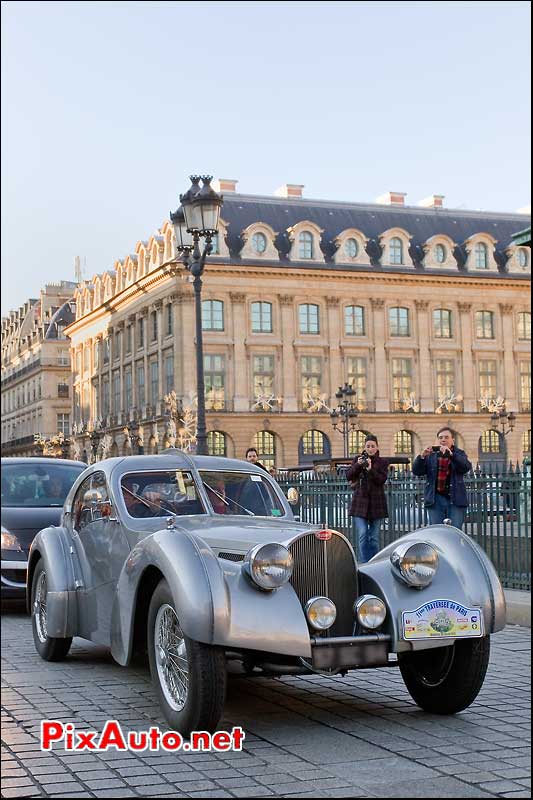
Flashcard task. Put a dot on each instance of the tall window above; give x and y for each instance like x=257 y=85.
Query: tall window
x=445 y=378
x=96 y=354
x=485 y=324
x=526 y=443
x=169 y=373
x=314 y=443
x=262 y=317
x=116 y=346
x=265 y=444
x=263 y=377
x=86 y=358
x=153 y=325
x=140 y=332
x=63 y=424
x=116 y=391
x=154 y=382
x=170 y=319
x=354 y=320
x=216 y=443
x=525 y=386
x=356 y=441
x=128 y=395
x=404 y=444
x=107 y=348
x=105 y=395
x=487 y=378
x=311 y=378
x=481 y=254
x=396 y=251
x=128 y=339
x=399 y=321
x=309 y=318
x=402 y=381
x=305 y=241
x=442 y=323
x=141 y=385
x=524 y=325
x=357 y=378
x=490 y=442
x=212 y=315
x=214 y=374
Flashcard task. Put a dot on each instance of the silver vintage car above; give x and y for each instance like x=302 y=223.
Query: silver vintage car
x=198 y=560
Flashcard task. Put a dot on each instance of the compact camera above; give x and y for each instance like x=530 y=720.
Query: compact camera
x=365 y=456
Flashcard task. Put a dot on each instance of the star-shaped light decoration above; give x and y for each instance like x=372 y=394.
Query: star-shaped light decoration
x=186 y=433
x=313 y=401
x=410 y=403
x=491 y=404
x=215 y=399
x=266 y=402
x=449 y=403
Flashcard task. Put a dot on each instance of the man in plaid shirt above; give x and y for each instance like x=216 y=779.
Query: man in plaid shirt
x=444 y=466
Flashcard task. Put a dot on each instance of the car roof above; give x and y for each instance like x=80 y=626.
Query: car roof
x=172 y=460
x=41 y=460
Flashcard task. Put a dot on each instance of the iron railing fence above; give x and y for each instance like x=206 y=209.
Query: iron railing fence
x=498 y=517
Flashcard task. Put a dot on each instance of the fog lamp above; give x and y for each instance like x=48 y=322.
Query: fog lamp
x=370 y=611
x=415 y=563
x=321 y=613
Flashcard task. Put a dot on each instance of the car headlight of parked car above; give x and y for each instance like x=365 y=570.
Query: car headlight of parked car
x=268 y=565
x=370 y=611
x=321 y=613
x=415 y=563
x=9 y=540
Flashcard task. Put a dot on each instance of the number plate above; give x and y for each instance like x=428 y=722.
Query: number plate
x=442 y=619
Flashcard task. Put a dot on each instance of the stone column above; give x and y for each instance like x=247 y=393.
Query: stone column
x=509 y=367
x=288 y=392
x=425 y=383
x=469 y=387
x=241 y=400
x=336 y=377
x=380 y=358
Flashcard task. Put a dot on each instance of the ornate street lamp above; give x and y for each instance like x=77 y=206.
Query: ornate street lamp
x=343 y=417
x=197 y=218
x=132 y=432
x=95 y=434
x=500 y=418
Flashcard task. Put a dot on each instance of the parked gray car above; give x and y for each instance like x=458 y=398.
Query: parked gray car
x=198 y=560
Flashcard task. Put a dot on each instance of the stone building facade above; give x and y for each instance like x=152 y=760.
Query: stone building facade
x=425 y=311
x=36 y=375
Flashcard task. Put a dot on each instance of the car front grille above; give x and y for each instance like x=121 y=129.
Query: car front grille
x=327 y=569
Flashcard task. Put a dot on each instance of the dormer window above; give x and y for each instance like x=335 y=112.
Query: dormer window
x=305 y=249
x=351 y=248
x=214 y=245
x=440 y=253
x=481 y=254
x=396 y=251
x=259 y=243
x=523 y=258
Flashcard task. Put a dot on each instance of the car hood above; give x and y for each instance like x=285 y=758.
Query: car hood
x=238 y=534
x=26 y=523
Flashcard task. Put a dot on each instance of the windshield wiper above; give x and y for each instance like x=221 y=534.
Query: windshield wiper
x=221 y=497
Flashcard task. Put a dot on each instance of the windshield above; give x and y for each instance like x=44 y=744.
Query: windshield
x=241 y=493
x=160 y=494
x=37 y=485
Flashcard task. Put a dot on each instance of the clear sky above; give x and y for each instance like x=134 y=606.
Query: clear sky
x=107 y=107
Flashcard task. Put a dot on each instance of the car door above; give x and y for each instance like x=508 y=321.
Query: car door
x=102 y=549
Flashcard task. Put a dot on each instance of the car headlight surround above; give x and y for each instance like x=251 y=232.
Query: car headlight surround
x=321 y=613
x=268 y=565
x=416 y=563
x=370 y=611
x=9 y=541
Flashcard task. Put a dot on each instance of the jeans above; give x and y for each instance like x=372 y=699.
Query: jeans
x=444 y=509
x=368 y=537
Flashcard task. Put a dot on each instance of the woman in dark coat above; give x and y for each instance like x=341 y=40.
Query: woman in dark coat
x=368 y=475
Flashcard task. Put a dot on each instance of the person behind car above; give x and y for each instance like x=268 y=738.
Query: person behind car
x=216 y=490
x=444 y=466
x=368 y=475
x=252 y=456
x=55 y=488
x=148 y=505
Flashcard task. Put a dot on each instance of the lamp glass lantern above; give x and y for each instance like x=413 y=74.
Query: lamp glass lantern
x=201 y=206
x=184 y=239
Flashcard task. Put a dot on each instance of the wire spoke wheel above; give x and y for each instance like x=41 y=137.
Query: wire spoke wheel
x=39 y=608
x=171 y=657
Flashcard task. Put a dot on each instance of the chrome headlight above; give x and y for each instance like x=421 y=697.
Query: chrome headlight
x=268 y=565
x=321 y=613
x=370 y=611
x=9 y=540
x=415 y=563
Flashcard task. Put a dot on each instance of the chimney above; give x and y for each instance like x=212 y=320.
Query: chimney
x=290 y=190
x=392 y=198
x=433 y=201
x=225 y=185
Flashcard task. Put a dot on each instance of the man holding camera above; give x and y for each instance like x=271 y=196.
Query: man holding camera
x=444 y=466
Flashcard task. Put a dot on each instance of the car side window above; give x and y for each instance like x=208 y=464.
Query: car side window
x=77 y=506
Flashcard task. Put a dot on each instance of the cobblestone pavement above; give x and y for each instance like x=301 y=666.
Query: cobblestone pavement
x=357 y=736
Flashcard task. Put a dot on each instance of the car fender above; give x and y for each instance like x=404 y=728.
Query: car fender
x=465 y=575
x=216 y=604
x=53 y=546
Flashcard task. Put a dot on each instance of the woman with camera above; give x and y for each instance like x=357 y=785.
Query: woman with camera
x=368 y=475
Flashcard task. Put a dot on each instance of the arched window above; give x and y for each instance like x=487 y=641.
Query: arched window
x=490 y=442
x=351 y=248
x=524 y=325
x=523 y=258
x=356 y=441
x=481 y=254
x=212 y=315
x=404 y=446
x=526 y=443
x=259 y=243
x=313 y=444
x=265 y=444
x=306 y=245
x=216 y=443
x=440 y=253
x=396 y=251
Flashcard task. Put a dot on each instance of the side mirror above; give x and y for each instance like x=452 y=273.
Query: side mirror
x=293 y=496
x=92 y=496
